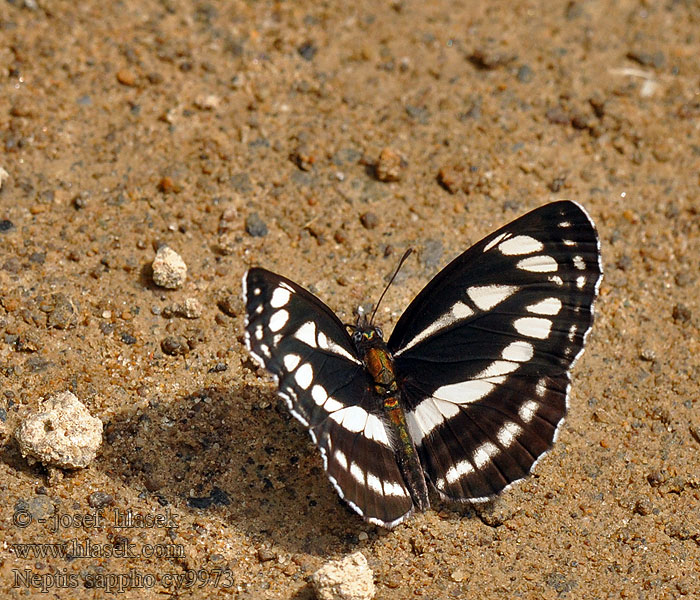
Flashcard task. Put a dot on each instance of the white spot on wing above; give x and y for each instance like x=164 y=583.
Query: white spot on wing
x=464 y=392
x=459 y=470
x=352 y=418
x=341 y=459
x=495 y=241
x=534 y=327
x=572 y=332
x=508 y=433
x=307 y=334
x=548 y=306
x=258 y=332
x=318 y=393
x=357 y=473
x=460 y=310
x=375 y=430
x=304 y=376
x=497 y=369
x=374 y=484
x=565 y=224
x=519 y=351
x=541 y=387
x=428 y=415
x=291 y=361
x=332 y=405
x=394 y=489
x=488 y=296
x=520 y=244
x=483 y=454
x=538 y=264
x=280 y=297
x=278 y=320
x=580 y=282
x=527 y=411
x=579 y=264
x=555 y=279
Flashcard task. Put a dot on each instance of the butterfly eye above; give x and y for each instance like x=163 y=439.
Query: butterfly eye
x=357 y=337
x=379 y=332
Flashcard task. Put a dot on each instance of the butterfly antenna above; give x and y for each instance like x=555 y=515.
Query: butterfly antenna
x=398 y=268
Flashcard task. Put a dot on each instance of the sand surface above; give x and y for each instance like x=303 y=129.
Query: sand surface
x=247 y=133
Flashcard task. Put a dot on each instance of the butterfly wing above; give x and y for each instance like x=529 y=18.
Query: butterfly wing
x=483 y=353
x=298 y=339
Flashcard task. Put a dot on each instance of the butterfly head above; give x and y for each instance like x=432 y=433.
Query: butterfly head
x=366 y=336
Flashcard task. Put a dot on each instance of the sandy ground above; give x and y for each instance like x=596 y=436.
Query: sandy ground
x=244 y=133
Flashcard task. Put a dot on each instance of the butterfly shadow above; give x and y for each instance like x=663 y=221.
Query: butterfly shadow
x=234 y=454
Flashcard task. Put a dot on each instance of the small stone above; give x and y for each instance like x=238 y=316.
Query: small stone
x=6 y=225
x=62 y=313
x=369 y=220
x=207 y=102
x=100 y=500
x=307 y=51
x=695 y=432
x=681 y=313
x=490 y=58
x=63 y=434
x=126 y=77
x=643 y=506
x=390 y=165
x=255 y=226
x=4 y=176
x=191 y=309
x=175 y=345
x=169 y=270
x=451 y=178
x=525 y=74
x=229 y=305
x=303 y=158
x=346 y=579
x=266 y=555
x=41 y=508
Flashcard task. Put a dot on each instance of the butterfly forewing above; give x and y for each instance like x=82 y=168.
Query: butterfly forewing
x=482 y=353
x=305 y=346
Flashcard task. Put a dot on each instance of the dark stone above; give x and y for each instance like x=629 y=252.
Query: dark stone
x=255 y=226
x=307 y=51
x=6 y=225
x=100 y=500
x=175 y=346
x=127 y=338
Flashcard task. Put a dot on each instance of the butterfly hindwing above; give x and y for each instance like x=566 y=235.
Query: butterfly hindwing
x=482 y=353
x=304 y=345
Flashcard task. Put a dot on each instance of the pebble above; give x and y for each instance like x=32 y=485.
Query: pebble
x=307 y=51
x=525 y=74
x=175 y=345
x=369 y=220
x=169 y=270
x=389 y=165
x=126 y=77
x=489 y=58
x=62 y=312
x=40 y=507
x=6 y=225
x=255 y=226
x=4 y=176
x=681 y=313
x=63 y=434
x=347 y=579
x=190 y=309
x=100 y=499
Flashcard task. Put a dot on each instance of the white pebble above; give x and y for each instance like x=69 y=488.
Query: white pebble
x=169 y=270
x=63 y=434
x=346 y=579
x=4 y=176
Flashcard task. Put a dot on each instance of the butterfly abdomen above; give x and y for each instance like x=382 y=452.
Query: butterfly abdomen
x=380 y=367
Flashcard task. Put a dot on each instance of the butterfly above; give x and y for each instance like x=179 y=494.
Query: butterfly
x=470 y=389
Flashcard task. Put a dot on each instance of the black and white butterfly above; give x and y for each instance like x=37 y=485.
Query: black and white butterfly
x=471 y=388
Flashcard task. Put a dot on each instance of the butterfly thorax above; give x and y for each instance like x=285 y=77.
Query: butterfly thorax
x=380 y=365
x=377 y=358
